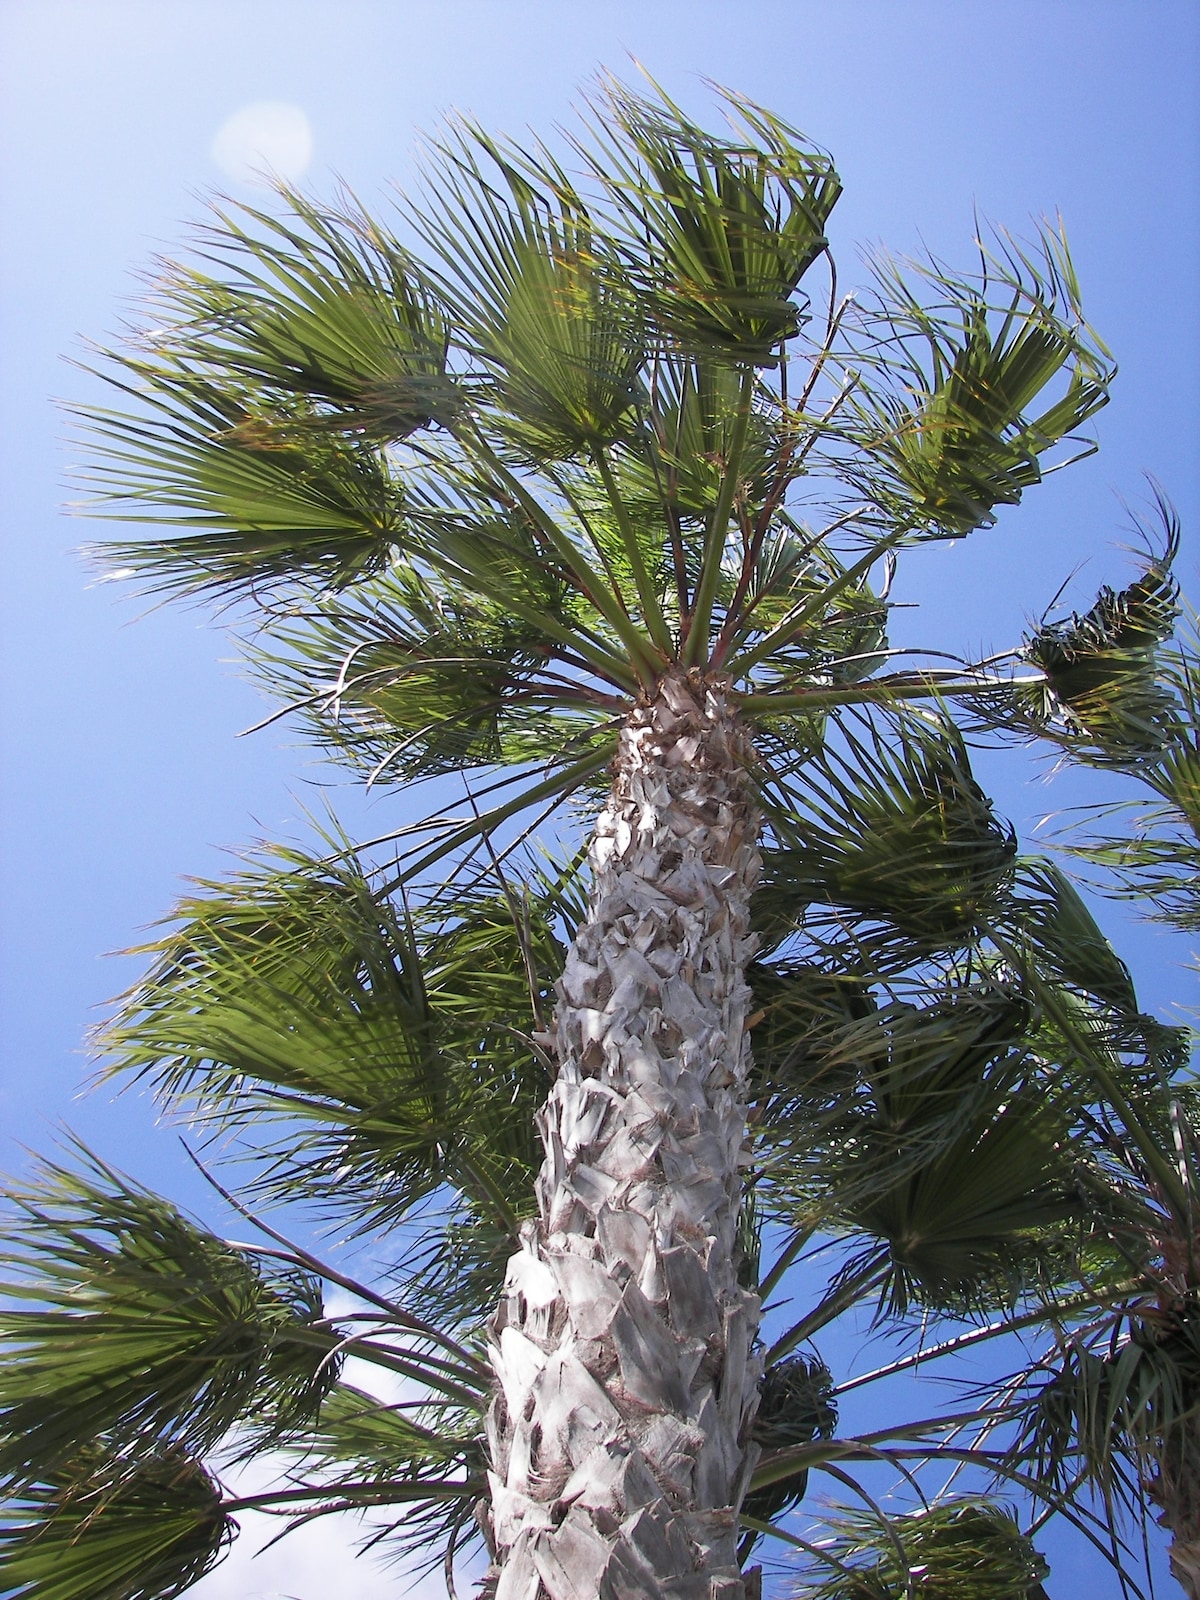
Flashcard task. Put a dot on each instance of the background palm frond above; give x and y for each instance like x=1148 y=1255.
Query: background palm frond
x=103 y=1530
x=140 y=1328
x=1103 y=693
x=975 y=361
x=959 y=1549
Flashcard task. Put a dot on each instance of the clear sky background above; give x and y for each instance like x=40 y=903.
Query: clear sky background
x=122 y=773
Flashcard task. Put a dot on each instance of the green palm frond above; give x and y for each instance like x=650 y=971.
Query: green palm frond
x=136 y=1326
x=247 y=504
x=802 y=1017
x=955 y=1549
x=1121 y=1409
x=407 y=678
x=355 y=1433
x=1063 y=936
x=1103 y=695
x=359 y=1441
x=981 y=1221
x=1154 y=857
x=676 y=464
x=110 y=1530
x=717 y=233
x=976 y=361
x=894 y=830
x=1154 y=860
x=393 y=1056
x=320 y=307
x=825 y=625
x=537 y=302
x=1177 y=779
x=926 y=1131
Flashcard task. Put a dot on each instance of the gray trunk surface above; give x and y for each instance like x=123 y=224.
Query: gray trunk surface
x=624 y=1345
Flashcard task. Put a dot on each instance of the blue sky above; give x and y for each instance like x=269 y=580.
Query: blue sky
x=121 y=770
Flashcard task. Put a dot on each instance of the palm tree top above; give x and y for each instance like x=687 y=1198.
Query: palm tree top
x=589 y=427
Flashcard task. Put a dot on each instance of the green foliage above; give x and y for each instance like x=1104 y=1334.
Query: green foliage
x=1064 y=938
x=407 y=680
x=427 y=1462
x=1117 y=1410
x=249 y=504
x=953 y=1550
x=140 y=1328
x=715 y=234
x=109 y=1531
x=537 y=299
x=975 y=363
x=1102 y=691
x=319 y=308
x=393 y=1051
x=893 y=827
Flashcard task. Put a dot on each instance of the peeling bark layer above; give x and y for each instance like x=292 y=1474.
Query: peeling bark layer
x=623 y=1348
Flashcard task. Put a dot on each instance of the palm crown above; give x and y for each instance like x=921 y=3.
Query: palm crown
x=490 y=496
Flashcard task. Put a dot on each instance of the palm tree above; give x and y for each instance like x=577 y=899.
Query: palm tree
x=1114 y=1403
x=583 y=505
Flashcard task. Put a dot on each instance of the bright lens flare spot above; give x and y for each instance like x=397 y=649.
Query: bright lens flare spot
x=266 y=140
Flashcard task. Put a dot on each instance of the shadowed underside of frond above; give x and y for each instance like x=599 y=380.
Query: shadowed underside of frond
x=623 y=1345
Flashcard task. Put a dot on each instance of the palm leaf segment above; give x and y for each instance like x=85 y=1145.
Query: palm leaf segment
x=99 y=1530
x=970 y=445
x=956 y=1550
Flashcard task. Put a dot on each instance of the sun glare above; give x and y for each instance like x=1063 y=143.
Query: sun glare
x=266 y=140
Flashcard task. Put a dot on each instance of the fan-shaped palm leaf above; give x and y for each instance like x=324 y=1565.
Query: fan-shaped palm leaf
x=111 y=1531
x=718 y=233
x=976 y=362
x=300 y=992
x=358 y=1441
x=953 y=1550
x=139 y=1327
x=249 y=504
x=536 y=301
x=321 y=307
x=894 y=831
x=409 y=678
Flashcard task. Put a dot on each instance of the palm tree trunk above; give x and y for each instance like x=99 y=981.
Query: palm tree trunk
x=623 y=1347
x=1184 y=1556
x=1177 y=1491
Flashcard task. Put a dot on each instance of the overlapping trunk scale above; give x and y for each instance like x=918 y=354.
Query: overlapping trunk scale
x=623 y=1347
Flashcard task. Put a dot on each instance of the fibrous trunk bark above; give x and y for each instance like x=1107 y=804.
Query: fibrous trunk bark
x=623 y=1347
x=1184 y=1556
x=1177 y=1490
